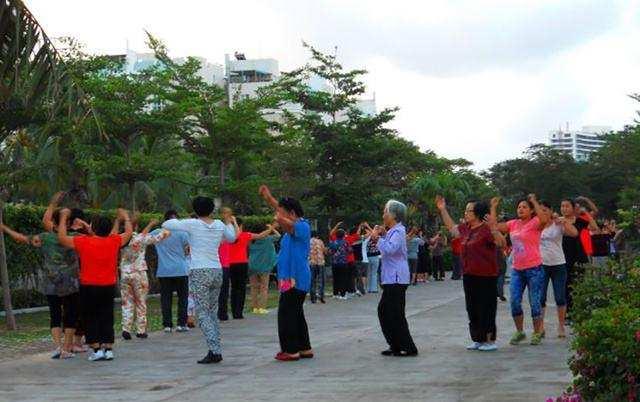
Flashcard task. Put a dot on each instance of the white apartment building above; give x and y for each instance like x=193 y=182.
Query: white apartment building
x=242 y=78
x=211 y=72
x=579 y=143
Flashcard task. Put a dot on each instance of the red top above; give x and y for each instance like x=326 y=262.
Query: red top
x=585 y=236
x=224 y=251
x=238 y=252
x=479 y=254
x=350 y=239
x=98 y=259
x=456 y=246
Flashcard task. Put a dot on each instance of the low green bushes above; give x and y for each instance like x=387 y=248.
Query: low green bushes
x=606 y=360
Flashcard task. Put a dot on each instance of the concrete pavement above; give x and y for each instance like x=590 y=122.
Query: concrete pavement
x=347 y=367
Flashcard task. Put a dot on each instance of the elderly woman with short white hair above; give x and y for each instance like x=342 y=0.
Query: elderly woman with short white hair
x=395 y=280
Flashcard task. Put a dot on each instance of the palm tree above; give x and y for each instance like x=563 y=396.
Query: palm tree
x=34 y=87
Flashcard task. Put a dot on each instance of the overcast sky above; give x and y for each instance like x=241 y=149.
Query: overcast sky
x=475 y=79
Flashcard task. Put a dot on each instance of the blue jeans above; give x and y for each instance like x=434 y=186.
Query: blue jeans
x=558 y=276
x=372 y=274
x=533 y=279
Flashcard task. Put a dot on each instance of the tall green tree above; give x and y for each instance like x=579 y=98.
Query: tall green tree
x=354 y=161
x=550 y=173
x=230 y=143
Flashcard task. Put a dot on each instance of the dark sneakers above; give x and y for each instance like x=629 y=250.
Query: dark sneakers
x=126 y=335
x=142 y=336
x=210 y=358
x=400 y=353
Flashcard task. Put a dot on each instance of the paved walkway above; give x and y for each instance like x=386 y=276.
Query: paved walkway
x=347 y=367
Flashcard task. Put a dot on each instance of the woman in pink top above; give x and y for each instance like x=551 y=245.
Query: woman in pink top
x=525 y=232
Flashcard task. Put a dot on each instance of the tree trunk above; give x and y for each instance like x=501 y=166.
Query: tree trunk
x=132 y=190
x=4 y=279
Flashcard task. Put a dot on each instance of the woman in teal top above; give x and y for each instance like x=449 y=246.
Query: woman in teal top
x=262 y=259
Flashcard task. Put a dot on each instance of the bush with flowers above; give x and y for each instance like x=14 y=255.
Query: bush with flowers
x=606 y=360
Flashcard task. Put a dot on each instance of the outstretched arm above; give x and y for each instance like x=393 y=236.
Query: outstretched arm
x=63 y=238
x=542 y=217
x=123 y=215
x=502 y=226
x=335 y=229
x=47 y=219
x=16 y=236
x=150 y=225
x=268 y=197
x=446 y=218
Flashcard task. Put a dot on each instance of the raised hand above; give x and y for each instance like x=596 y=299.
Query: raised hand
x=122 y=214
x=495 y=201
x=532 y=197
x=441 y=203
x=264 y=190
x=65 y=213
x=56 y=199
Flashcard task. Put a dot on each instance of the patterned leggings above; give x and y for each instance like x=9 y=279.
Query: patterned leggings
x=204 y=287
x=134 y=288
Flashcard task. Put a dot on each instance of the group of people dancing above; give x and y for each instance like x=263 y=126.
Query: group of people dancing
x=208 y=261
x=542 y=247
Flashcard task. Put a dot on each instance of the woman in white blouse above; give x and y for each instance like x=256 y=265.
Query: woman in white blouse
x=205 y=270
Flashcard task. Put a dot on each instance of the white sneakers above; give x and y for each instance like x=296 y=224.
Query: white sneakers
x=474 y=346
x=108 y=355
x=167 y=330
x=101 y=354
x=488 y=347
x=182 y=329
x=483 y=347
x=97 y=356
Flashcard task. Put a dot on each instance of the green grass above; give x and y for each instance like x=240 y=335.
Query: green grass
x=34 y=327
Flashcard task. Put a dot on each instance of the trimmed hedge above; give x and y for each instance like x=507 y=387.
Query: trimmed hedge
x=24 y=262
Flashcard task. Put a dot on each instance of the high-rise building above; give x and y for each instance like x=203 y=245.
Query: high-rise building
x=579 y=143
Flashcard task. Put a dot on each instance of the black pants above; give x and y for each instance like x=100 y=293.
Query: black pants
x=391 y=313
x=481 y=298
x=63 y=310
x=351 y=278
x=223 y=297
x=340 y=279
x=292 y=326
x=97 y=313
x=179 y=284
x=239 y=274
x=438 y=267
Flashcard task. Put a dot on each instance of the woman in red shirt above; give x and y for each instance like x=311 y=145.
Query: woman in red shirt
x=239 y=271
x=98 y=254
x=479 y=239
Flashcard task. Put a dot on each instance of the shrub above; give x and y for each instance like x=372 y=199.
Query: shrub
x=606 y=312
x=606 y=364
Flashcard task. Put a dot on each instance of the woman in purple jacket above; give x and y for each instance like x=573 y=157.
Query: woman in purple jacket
x=395 y=280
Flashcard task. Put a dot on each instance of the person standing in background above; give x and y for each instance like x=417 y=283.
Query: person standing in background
x=413 y=244
x=456 y=249
x=437 y=244
x=172 y=273
x=134 y=282
x=262 y=259
x=239 y=258
x=316 y=261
